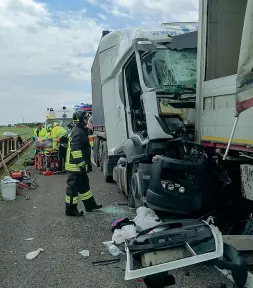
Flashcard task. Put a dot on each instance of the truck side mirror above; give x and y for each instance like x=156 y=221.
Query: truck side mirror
x=121 y=88
x=144 y=45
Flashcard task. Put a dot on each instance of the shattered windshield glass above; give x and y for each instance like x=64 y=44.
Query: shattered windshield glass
x=166 y=70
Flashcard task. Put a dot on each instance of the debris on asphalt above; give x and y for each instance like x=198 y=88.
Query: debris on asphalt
x=125 y=233
x=146 y=218
x=29 y=239
x=33 y=254
x=119 y=212
x=112 y=249
x=122 y=203
x=85 y=253
x=122 y=265
x=119 y=223
x=106 y=262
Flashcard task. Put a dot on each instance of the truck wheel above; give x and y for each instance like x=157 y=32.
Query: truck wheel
x=105 y=168
x=135 y=191
x=96 y=151
x=159 y=280
x=101 y=155
x=234 y=262
x=104 y=163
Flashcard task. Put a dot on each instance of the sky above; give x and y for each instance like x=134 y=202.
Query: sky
x=47 y=47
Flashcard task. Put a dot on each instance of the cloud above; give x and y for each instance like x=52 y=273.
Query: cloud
x=46 y=55
x=159 y=10
x=36 y=41
x=45 y=42
x=102 y=16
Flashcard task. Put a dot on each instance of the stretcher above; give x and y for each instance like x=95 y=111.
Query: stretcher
x=46 y=158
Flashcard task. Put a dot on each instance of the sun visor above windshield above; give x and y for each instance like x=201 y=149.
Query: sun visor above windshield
x=184 y=41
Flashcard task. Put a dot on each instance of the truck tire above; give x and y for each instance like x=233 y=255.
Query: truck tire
x=96 y=151
x=234 y=262
x=135 y=191
x=101 y=142
x=105 y=164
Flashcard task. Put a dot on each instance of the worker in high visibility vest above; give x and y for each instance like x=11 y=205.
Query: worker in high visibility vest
x=56 y=134
x=78 y=164
x=59 y=135
x=49 y=130
x=40 y=132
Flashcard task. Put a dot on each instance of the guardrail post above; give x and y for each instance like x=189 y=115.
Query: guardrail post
x=2 y=148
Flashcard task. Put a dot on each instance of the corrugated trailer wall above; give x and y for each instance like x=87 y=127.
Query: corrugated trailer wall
x=224 y=32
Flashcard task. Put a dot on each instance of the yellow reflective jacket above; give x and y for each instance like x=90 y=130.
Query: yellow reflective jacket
x=41 y=133
x=48 y=134
x=56 y=134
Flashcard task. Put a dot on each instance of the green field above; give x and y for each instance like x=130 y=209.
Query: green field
x=25 y=133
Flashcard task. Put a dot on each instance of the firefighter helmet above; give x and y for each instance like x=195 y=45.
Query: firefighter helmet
x=79 y=116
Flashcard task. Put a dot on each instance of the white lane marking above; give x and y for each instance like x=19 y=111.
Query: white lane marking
x=249 y=283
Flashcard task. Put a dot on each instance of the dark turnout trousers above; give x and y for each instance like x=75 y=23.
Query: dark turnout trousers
x=78 y=183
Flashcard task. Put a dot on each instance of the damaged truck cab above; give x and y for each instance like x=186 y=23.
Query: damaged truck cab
x=143 y=89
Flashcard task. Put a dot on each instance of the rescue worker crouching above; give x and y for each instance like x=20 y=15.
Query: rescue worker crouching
x=78 y=163
x=59 y=136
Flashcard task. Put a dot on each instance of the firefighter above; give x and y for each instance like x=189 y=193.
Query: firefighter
x=59 y=136
x=78 y=164
x=40 y=131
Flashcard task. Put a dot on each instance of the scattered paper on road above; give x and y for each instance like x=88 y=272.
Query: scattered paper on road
x=85 y=253
x=33 y=254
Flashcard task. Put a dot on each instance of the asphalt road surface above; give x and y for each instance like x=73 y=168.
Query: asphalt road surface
x=62 y=238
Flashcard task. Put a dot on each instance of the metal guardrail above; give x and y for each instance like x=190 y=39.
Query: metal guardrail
x=11 y=147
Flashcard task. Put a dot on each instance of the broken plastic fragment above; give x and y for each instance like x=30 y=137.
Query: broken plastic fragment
x=112 y=249
x=85 y=253
x=33 y=254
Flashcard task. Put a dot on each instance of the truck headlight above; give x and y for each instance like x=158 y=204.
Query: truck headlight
x=181 y=190
x=170 y=187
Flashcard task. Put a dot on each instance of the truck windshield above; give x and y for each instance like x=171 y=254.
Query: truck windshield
x=62 y=122
x=168 y=70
